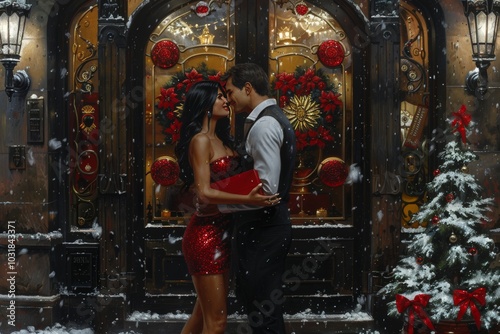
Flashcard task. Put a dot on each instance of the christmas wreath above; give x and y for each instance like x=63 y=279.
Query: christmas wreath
x=172 y=95
x=311 y=103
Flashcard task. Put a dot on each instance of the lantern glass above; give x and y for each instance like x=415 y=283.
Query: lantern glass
x=483 y=29
x=11 y=31
x=482 y=17
x=13 y=16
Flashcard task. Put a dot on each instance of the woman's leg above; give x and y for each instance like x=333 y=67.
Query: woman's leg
x=212 y=295
x=194 y=325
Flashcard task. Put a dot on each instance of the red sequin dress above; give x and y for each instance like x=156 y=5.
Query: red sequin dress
x=206 y=242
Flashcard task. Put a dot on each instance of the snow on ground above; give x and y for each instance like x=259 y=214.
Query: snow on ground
x=145 y=316
x=56 y=329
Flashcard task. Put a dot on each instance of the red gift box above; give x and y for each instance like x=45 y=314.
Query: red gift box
x=240 y=184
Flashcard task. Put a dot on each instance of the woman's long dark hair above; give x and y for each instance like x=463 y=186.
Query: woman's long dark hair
x=200 y=99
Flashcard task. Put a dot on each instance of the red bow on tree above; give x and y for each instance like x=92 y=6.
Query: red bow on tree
x=415 y=306
x=462 y=119
x=466 y=300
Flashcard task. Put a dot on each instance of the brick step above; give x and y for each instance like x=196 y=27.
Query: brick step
x=354 y=323
x=316 y=304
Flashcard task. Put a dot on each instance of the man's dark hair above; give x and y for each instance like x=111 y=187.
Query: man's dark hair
x=249 y=72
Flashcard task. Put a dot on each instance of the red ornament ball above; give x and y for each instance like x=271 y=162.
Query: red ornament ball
x=333 y=172
x=450 y=197
x=420 y=260
x=202 y=9
x=436 y=172
x=301 y=9
x=483 y=222
x=331 y=53
x=165 y=171
x=472 y=251
x=165 y=54
x=435 y=220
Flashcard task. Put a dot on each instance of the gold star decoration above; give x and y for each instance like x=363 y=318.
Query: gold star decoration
x=302 y=112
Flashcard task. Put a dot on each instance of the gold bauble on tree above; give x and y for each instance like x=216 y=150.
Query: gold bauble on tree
x=453 y=238
x=464 y=169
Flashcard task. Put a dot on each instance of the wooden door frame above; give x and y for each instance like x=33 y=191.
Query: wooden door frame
x=257 y=50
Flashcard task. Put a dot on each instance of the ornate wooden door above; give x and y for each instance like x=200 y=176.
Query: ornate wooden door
x=317 y=69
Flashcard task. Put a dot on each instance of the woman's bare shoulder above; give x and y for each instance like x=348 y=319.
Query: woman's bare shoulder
x=200 y=139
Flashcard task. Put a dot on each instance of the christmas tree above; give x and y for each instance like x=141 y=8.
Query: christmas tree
x=447 y=272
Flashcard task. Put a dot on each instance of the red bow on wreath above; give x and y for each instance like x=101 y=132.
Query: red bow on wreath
x=462 y=119
x=415 y=306
x=466 y=300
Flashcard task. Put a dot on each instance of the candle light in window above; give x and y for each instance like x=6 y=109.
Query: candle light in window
x=321 y=212
x=165 y=213
x=311 y=23
x=206 y=37
x=285 y=35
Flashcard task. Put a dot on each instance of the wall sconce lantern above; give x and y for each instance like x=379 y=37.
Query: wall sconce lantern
x=482 y=17
x=13 y=14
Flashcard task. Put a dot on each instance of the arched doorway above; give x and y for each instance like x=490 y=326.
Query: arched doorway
x=150 y=249
x=324 y=222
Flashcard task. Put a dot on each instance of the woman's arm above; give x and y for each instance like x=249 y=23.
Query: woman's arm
x=200 y=157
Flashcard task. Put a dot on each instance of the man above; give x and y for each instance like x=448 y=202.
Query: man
x=263 y=235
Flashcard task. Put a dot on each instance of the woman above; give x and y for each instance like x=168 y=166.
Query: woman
x=205 y=152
